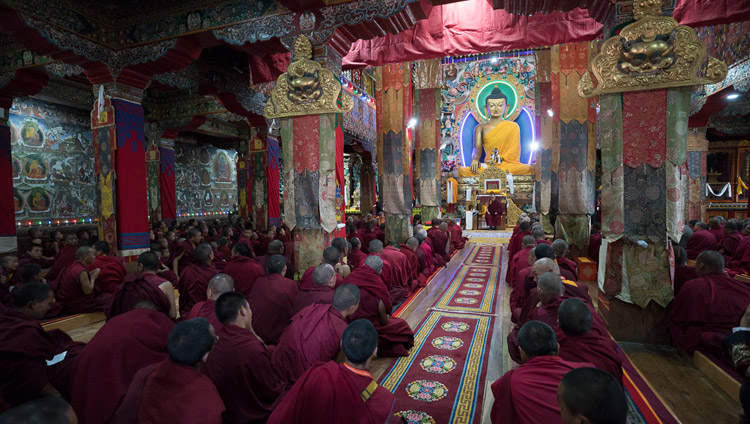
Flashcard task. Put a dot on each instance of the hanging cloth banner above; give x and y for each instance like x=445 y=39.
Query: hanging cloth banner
x=727 y=188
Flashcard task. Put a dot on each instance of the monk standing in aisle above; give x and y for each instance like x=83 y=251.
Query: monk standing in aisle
x=495 y=212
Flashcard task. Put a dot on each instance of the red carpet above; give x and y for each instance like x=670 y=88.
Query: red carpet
x=472 y=290
x=486 y=255
x=442 y=379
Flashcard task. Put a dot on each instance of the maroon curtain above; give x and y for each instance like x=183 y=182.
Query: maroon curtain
x=272 y=182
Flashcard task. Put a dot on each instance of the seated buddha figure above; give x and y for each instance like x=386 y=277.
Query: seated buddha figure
x=500 y=139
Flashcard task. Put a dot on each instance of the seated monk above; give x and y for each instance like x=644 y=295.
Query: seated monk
x=429 y=247
x=25 y=347
x=560 y=247
x=144 y=285
x=35 y=254
x=275 y=247
x=701 y=240
x=497 y=138
x=272 y=300
x=426 y=265
x=194 y=279
x=342 y=246
x=707 y=308
x=539 y=236
x=75 y=287
x=368 y=235
x=388 y=275
x=458 y=241
x=175 y=390
x=520 y=260
x=217 y=285
x=315 y=334
x=184 y=254
x=47 y=410
x=741 y=259
x=682 y=271
x=515 y=243
x=240 y=365
x=495 y=212
x=527 y=394
x=579 y=344
x=218 y=262
x=400 y=267
x=589 y=395
x=356 y=256
x=65 y=257
x=595 y=241
x=732 y=239
x=331 y=393
x=380 y=228
x=416 y=278
x=324 y=279
x=331 y=256
x=441 y=243
x=9 y=278
x=395 y=337
x=545 y=251
x=243 y=270
x=107 y=364
x=716 y=227
x=32 y=273
x=111 y=269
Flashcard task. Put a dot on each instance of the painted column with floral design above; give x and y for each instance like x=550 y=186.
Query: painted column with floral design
x=427 y=105
x=256 y=184
x=697 y=152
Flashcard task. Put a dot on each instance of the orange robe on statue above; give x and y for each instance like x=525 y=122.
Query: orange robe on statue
x=506 y=138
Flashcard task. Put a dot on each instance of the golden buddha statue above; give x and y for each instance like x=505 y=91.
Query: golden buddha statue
x=500 y=139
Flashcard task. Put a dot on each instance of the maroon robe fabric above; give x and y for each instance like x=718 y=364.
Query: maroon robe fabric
x=705 y=310
x=188 y=258
x=245 y=272
x=595 y=242
x=396 y=291
x=518 y=295
x=417 y=279
x=355 y=258
x=599 y=350
x=700 y=240
x=24 y=348
x=169 y=393
x=394 y=338
x=568 y=265
x=43 y=263
x=70 y=293
x=516 y=242
x=168 y=274
x=219 y=262
x=718 y=233
x=137 y=288
x=683 y=274
x=193 y=285
x=291 y=266
x=112 y=273
x=310 y=295
x=313 y=336
x=380 y=234
x=528 y=394
x=495 y=211
x=272 y=303
x=108 y=363
x=332 y=393
x=458 y=241
x=240 y=367
x=206 y=309
x=429 y=248
x=426 y=267
x=65 y=257
x=439 y=243
x=399 y=268
x=741 y=259
x=367 y=237
x=543 y=241
x=306 y=282
x=518 y=262
x=730 y=243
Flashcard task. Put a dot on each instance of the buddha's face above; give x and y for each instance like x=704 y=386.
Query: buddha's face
x=496 y=107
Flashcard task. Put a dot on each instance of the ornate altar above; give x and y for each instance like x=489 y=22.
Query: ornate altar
x=493 y=180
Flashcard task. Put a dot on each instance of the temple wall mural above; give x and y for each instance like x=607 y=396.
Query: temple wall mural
x=53 y=162
x=209 y=169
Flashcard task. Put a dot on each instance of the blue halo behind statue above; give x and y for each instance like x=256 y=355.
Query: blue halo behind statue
x=466 y=137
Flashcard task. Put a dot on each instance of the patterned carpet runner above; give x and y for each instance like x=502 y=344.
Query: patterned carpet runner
x=485 y=255
x=472 y=290
x=442 y=379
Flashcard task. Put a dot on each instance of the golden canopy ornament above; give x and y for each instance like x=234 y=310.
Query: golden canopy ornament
x=653 y=52
x=306 y=88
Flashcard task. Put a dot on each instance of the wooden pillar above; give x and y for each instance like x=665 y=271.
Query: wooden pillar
x=393 y=99
x=427 y=104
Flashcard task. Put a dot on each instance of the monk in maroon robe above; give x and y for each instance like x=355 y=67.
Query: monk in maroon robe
x=587 y=394
x=9 y=278
x=331 y=393
x=243 y=270
x=395 y=337
x=429 y=247
x=426 y=266
x=388 y=274
x=25 y=347
x=520 y=260
x=356 y=255
x=291 y=266
x=560 y=247
x=595 y=241
x=194 y=279
x=400 y=267
x=314 y=334
x=35 y=254
x=324 y=281
x=240 y=366
x=184 y=254
x=528 y=394
x=440 y=240
x=579 y=344
x=275 y=247
x=415 y=276
x=111 y=269
x=458 y=241
x=144 y=285
x=514 y=245
x=75 y=287
x=218 y=285
x=716 y=228
x=495 y=212
x=367 y=236
x=104 y=373
x=331 y=256
x=706 y=309
x=701 y=240
x=741 y=259
x=272 y=301
x=65 y=257
x=175 y=390
x=730 y=242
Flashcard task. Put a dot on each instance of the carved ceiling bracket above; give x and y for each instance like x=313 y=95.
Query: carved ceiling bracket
x=651 y=53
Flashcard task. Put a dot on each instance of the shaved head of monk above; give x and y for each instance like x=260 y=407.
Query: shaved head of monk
x=276 y=264
x=709 y=262
x=33 y=299
x=544 y=251
x=275 y=246
x=204 y=253
x=46 y=410
x=232 y=308
x=190 y=341
x=346 y=299
x=360 y=343
x=375 y=263
x=591 y=396
x=574 y=317
x=376 y=246
x=544 y=265
x=549 y=287
x=537 y=338
x=331 y=255
x=324 y=275
x=528 y=241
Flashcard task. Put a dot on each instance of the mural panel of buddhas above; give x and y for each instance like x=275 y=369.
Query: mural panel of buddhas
x=53 y=162
x=205 y=178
